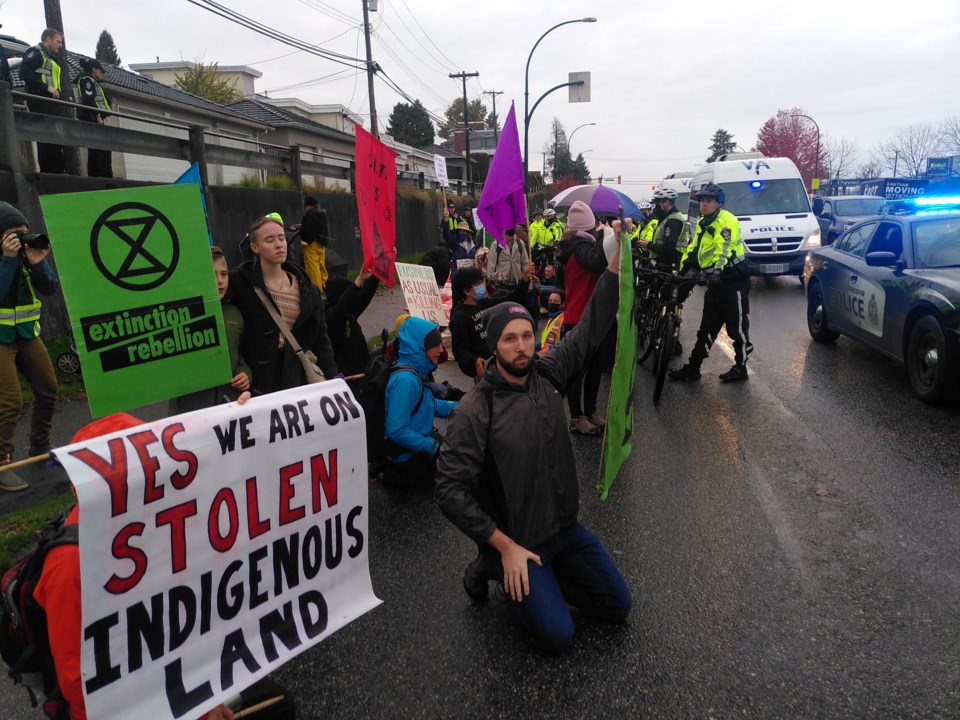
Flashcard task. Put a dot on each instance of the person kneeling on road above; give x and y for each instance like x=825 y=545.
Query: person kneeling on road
x=411 y=406
x=23 y=270
x=507 y=476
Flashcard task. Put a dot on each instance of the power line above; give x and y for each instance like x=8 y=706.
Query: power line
x=420 y=43
x=427 y=36
x=332 y=12
x=333 y=77
x=239 y=19
x=406 y=69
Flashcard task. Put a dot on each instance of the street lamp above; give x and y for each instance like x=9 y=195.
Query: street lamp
x=526 y=92
x=816 y=162
x=570 y=139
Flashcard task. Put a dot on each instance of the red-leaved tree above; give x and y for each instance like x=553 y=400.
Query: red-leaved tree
x=562 y=183
x=788 y=134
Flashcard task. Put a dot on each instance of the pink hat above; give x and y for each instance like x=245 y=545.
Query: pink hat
x=580 y=217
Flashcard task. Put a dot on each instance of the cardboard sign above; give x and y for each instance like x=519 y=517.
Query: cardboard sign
x=440 y=168
x=419 y=286
x=139 y=287
x=217 y=545
x=376 y=183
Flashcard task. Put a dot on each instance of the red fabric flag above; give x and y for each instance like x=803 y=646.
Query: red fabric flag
x=376 y=185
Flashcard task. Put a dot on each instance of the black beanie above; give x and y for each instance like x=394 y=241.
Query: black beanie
x=496 y=318
x=10 y=217
x=432 y=339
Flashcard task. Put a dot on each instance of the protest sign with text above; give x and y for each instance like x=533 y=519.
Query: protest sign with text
x=217 y=545
x=419 y=285
x=139 y=287
x=440 y=168
x=376 y=183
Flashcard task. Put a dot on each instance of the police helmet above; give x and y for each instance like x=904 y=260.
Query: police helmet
x=711 y=191
x=665 y=193
x=644 y=205
x=549 y=213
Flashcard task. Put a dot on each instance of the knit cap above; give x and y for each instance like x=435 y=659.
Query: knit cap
x=580 y=217
x=10 y=216
x=496 y=319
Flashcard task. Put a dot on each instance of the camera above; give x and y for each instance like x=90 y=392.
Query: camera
x=36 y=241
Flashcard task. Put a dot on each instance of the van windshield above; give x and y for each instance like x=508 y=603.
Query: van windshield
x=860 y=206
x=772 y=197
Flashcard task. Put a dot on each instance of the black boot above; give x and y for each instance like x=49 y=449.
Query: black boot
x=479 y=573
x=738 y=373
x=687 y=372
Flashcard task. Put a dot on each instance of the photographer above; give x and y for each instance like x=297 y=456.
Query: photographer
x=23 y=273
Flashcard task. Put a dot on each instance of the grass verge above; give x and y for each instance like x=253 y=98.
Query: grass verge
x=18 y=530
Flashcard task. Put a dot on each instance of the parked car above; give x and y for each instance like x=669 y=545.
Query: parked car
x=837 y=214
x=893 y=283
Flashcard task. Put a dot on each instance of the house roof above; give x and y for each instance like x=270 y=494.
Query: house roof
x=443 y=152
x=280 y=117
x=118 y=77
x=189 y=65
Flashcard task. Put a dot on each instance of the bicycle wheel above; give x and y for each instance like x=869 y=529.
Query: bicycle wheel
x=647 y=326
x=668 y=338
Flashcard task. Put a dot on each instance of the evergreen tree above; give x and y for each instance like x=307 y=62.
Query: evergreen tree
x=410 y=124
x=557 y=149
x=453 y=116
x=206 y=81
x=721 y=143
x=106 y=50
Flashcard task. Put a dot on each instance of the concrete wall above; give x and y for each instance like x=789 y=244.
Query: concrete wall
x=231 y=212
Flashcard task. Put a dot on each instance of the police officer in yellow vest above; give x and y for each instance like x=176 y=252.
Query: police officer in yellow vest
x=717 y=251
x=669 y=239
x=40 y=73
x=91 y=94
x=23 y=272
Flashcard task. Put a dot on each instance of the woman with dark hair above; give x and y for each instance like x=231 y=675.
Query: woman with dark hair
x=466 y=319
x=293 y=297
x=346 y=301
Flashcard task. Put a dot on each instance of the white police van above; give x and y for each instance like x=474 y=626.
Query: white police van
x=769 y=199
x=681 y=183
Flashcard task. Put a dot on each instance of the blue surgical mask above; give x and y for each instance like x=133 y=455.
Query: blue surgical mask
x=479 y=292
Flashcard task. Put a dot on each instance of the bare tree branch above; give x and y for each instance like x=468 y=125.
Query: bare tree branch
x=841 y=154
x=906 y=153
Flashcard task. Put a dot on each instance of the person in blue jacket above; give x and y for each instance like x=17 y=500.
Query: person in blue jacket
x=412 y=441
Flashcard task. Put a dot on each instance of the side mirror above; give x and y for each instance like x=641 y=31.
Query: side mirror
x=881 y=259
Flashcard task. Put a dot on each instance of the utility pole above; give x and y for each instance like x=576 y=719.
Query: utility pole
x=54 y=18
x=496 y=120
x=371 y=67
x=466 y=118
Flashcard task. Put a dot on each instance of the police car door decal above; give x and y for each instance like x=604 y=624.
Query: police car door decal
x=862 y=302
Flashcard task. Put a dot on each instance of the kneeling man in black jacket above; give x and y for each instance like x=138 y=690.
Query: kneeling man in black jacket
x=507 y=476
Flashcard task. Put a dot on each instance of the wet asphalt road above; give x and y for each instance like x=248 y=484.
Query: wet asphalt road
x=790 y=543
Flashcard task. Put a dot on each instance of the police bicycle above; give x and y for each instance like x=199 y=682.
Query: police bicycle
x=666 y=328
x=648 y=283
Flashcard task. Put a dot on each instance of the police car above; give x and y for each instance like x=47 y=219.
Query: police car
x=893 y=283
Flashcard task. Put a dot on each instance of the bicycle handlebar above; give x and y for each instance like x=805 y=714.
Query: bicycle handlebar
x=699 y=279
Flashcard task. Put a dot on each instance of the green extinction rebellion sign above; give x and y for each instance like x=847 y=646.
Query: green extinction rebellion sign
x=138 y=280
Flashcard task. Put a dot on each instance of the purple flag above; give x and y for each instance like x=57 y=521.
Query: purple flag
x=502 y=204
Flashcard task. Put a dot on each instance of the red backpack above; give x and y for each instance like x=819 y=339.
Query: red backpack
x=24 y=642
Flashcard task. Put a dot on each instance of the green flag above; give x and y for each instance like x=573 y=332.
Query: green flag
x=138 y=281
x=618 y=436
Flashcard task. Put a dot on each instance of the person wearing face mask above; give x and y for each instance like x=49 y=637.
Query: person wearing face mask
x=553 y=330
x=466 y=319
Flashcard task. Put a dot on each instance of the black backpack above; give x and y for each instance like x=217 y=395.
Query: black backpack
x=372 y=397
x=24 y=641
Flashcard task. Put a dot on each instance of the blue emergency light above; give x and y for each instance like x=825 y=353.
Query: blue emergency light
x=756 y=184
x=943 y=200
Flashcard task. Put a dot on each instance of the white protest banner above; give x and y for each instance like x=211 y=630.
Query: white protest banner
x=440 y=168
x=421 y=292
x=217 y=545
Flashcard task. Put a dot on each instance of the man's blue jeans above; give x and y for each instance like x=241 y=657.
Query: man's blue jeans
x=577 y=570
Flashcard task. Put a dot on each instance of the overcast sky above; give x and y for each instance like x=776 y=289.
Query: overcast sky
x=664 y=76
